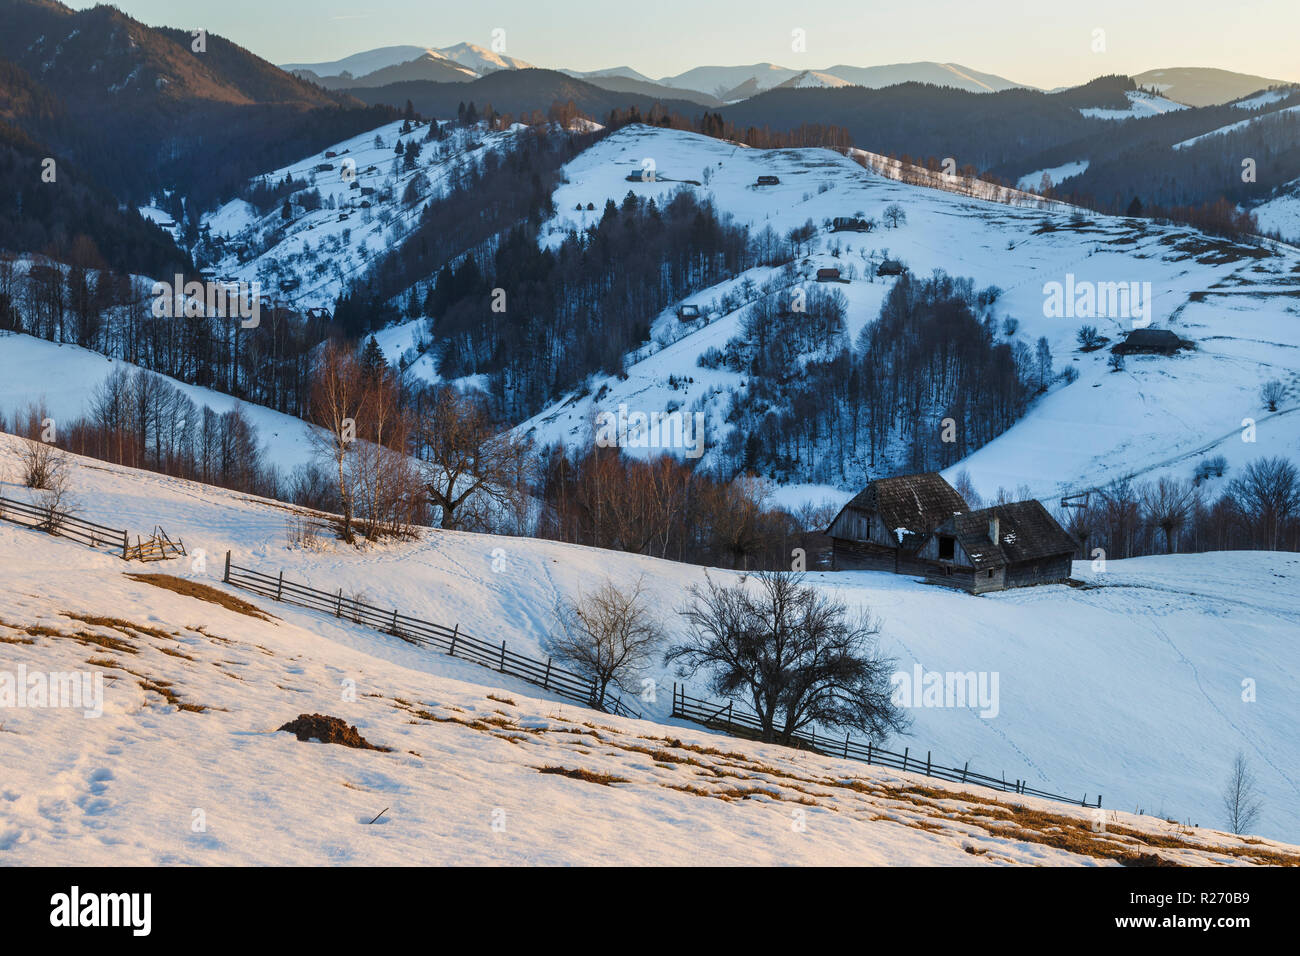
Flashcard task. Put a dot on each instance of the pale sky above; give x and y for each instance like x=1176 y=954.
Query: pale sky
x=1045 y=44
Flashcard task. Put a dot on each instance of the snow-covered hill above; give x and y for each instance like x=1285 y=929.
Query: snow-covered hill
x=1131 y=688
x=1141 y=104
x=476 y=59
x=370 y=200
x=1159 y=415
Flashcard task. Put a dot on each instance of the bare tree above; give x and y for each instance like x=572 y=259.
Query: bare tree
x=1266 y=497
x=45 y=470
x=895 y=215
x=43 y=464
x=337 y=397
x=1167 y=504
x=794 y=652
x=608 y=635
x=1241 y=801
x=1271 y=394
x=469 y=466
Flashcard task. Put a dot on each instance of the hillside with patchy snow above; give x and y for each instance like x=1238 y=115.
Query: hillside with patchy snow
x=1238 y=304
x=1130 y=687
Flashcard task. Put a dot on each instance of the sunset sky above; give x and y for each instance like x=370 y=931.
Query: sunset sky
x=1044 y=44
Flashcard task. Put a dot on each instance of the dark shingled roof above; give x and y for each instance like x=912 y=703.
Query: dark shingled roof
x=1026 y=530
x=918 y=503
x=1156 y=340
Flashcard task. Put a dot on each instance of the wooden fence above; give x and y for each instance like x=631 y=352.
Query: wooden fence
x=413 y=630
x=156 y=547
x=64 y=525
x=739 y=721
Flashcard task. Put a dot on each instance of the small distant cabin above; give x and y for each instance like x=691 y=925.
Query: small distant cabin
x=354 y=185
x=642 y=176
x=687 y=312
x=318 y=314
x=367 y=190
x=288 y=285
x=1149 y=342
x=324 y=167
x=920 y=525
x=890 y=267
x=591 y=206
x=330 y=154
x=343 y=217
x=849 y=224
x=767 y=181
x=828 y=275
x=365 y=204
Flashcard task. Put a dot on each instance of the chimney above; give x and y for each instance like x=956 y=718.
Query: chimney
x=994 y=528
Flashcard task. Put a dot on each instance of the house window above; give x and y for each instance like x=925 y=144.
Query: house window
x=946 y=547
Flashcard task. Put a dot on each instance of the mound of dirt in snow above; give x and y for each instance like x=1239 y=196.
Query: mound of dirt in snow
x=329 y=730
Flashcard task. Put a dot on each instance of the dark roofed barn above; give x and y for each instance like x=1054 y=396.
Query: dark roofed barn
x=767 y=181
x=1149 y=342
x=828 y=275
x=921 y=525
x=890 y=267
x=879 y=529
x=1006 y=546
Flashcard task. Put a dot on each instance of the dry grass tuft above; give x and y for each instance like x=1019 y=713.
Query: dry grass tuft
x=202 y=592
x=604 y=779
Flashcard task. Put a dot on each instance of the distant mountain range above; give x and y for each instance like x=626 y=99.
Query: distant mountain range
x=706 y=85
x=1203 y=86
x=714 y=86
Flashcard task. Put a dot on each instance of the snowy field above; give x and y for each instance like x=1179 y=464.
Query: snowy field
x=1131 y=688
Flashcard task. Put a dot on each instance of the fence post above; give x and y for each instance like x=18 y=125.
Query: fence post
x=963 y=771
x=279 y=587
x=927 y=763
x=730 y=704
x=868 y=752
x=338 y=606
x=503 y=662
x=1099 y=801
x=395 y=621
x=455 y=631
x=126 y=545
x=226 y=576
x=905 y=750
x=546 y=681
x=846 y=745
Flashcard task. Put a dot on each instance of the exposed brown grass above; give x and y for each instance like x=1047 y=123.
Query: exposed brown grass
x=129 y=628
x=604 y=779
x=202 y=592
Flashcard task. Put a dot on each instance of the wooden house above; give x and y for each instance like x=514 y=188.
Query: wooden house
x=890 y=267
x=849 y=224
x=1013 y=545
x=1149 y=342
x=767 y=181
x=828 y=275
x=687 y=312
x=882 y=527
x=920 y=525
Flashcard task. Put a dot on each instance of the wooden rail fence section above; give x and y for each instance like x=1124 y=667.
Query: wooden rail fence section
x=450 y=640
x=741 y=722
x=158 y=547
